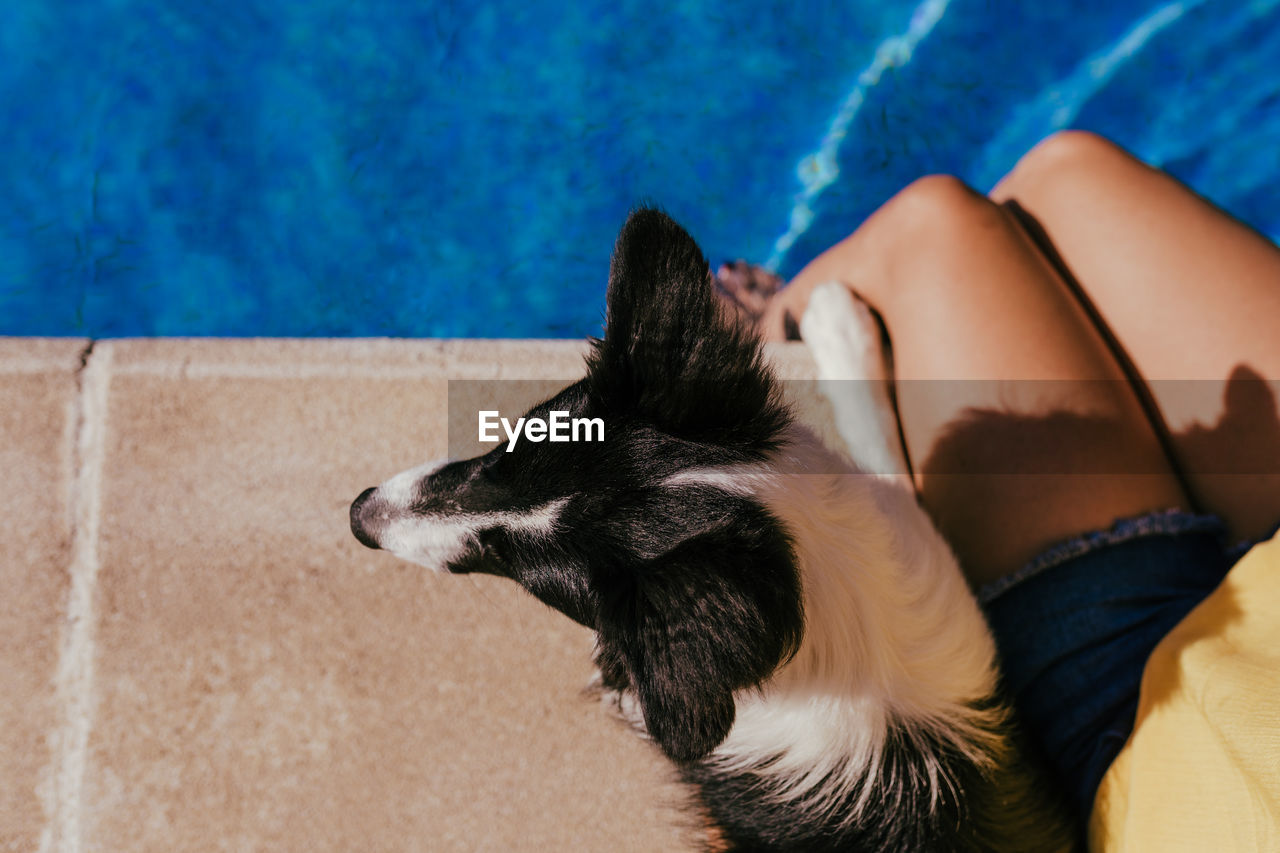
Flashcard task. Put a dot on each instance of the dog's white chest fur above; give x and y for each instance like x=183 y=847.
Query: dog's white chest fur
x=892 y=636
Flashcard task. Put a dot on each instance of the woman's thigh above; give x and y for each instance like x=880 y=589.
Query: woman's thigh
x=1020 y=424
x=1189 y=297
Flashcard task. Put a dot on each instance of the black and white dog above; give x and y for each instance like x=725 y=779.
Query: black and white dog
x=794 y=634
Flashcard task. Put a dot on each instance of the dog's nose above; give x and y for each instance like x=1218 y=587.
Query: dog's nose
x=361 y=524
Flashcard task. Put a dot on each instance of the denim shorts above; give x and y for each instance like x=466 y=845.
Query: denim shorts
x=1075 y=626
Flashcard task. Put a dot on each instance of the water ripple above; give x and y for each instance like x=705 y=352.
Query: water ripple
x=1057 y=105
x=819 y=170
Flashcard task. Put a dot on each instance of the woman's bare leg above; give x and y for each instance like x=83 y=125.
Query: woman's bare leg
x=1191 y=296
x=999 y=372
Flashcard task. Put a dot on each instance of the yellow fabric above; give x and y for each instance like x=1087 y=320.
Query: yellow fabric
x=1201 y=771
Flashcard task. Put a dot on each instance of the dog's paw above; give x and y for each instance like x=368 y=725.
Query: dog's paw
x=844 y=338
x=842 y=334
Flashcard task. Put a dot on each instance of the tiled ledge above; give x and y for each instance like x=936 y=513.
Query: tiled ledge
x=197 y=655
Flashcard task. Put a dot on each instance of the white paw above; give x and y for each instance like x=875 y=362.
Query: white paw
x=844 y=338
x=842 y=334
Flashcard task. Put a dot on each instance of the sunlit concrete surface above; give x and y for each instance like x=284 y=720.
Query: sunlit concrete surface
x=197 y=654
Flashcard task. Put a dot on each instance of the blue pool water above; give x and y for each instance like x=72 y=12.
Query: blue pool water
x=406 y=167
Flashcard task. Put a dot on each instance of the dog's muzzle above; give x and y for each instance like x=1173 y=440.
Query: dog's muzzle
x=367 y=518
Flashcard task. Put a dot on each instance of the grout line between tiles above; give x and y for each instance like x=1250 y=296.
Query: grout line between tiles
x=63 y=785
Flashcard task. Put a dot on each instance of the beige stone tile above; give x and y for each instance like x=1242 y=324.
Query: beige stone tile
x=357 y=357
x=263 y=355
x=265 y=683
x=40 y=355
x=518 y=359
x=37 y=415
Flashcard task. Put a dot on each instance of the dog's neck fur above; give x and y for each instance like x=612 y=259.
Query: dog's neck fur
x=893 y=640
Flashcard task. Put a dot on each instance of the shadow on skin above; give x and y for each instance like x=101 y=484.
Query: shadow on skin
x=1000 y=464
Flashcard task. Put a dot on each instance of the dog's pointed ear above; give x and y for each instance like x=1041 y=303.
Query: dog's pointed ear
x=659 y=285
x=716 y=614
x=671 y=352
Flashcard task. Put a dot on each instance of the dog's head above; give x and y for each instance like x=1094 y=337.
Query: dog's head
x=690 y=583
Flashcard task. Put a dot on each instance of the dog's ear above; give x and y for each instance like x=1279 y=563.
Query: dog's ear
x=717 y=613
x=671 y=353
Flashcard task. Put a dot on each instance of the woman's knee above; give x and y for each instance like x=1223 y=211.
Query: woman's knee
x=927 y=228
x=937 y=204
x=940 y=220
x=1063 y=159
